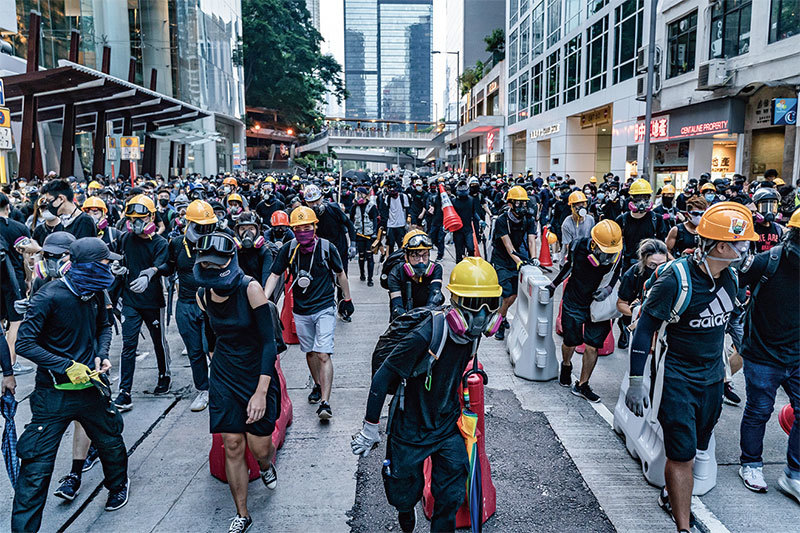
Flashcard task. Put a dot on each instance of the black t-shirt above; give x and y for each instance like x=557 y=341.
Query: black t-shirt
x=320 y=294
x=634 y=230
x=772 y=330
x=265 y=210
x=41 y=231
x=684 y=240
x=584 y=278
x=465 y=208
x=82 y=226
x=256 y=263
x=334 y=226
x=631 y=284
x=518 y=233
x=141 y=254
x=419 y=291
x=696 y=341
x=10 y=231
x=182 y=262
x=768 y=236
x=428 y=416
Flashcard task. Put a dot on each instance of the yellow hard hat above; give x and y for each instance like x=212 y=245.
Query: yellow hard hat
x=592 y=180
x=668 y=179
x=302 y=215
x=667 y=189
x=708 y=187
x=416 y=239
x=551 y=238
x=132 y=211
x=794 y=221
x=233 y=197
x=473 y=277
x=95 y=185
x=778 y=182
x=576 y=197
x=94 y=202
x=727 y=221
x=517 y=192
x=270 y=179
x=640 y=186
x=607 y=235
x=201 y=212
x=295 y=178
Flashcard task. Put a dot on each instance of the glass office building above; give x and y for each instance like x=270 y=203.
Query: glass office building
x=388 y=59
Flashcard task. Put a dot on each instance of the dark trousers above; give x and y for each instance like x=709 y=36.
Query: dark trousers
x=394 y=237
x=191 y=323
x=462 y=240
x=448 y=478
x=365 y=257
x=436 y=234
x=132 y=320
x=52 y=412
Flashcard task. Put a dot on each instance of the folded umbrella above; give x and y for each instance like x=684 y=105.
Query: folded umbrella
x=8 y=406
x=468 y=425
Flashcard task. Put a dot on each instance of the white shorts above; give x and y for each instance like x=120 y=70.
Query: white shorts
x=316 y=331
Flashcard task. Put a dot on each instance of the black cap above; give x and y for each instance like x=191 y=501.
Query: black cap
x=58 y=242
x=89 y=249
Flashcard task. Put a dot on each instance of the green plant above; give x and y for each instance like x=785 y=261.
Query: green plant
x=496 y=41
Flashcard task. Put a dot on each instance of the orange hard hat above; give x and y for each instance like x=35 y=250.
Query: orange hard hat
x=727 y=221
x=279 y=218
x=230 y=181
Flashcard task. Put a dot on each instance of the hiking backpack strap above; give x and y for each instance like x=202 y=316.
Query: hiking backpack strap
x=438 y=340
x=769 y=271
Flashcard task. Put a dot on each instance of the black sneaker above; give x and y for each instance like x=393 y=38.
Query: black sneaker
x=370 y=283
x=315 y=395
x=663 y=502
x=124 y=401
x=585 y=391
x=501 y=333
x=729 y=395
x=118 y=498
x=270 y=477
x=240 y=524
x=163 y=385
x=565 y=378
x=624 y=338
x=324 y=412
x=362 y=277
x=407 y=520
x=92 y=457
x=69 y=487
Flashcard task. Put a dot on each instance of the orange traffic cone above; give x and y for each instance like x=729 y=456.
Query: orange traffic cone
x=477 y=252
x=287 y=317
x=544 y=253
x=452 y=222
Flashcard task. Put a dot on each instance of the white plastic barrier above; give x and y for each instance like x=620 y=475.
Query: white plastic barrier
x=530 y=344
x=644 y=440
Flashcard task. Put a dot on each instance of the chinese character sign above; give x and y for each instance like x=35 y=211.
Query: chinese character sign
x=659 y=129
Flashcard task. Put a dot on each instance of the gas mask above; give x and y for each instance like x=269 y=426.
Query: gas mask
x=743 y=260
x=419 y=270
x=361 y=200
x=51 y=266
x=666 y=201
x=579 y=211
x=100 y=222
x=766 y=211
x=600 y=258
x=470 y=317
x=140 y=226
x=462 y=192
x=640 y=203
x=251 y=239
x=278 y=232
x=303 y=280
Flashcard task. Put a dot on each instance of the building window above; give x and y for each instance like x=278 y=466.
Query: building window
x=553 y=22
x=513 y=8
x=597 y=55
x=553 y=77
x=512 y=102
x=537 y=29
x=593 y=6
x=681 y=44
x=730 y=28
x=537 y=87
x=572 y=15
x=512 y=53
x=572 y=69
x=523 y=96
x=524 y=42
x=784 y=20
x=523 y=7
x=628 y=18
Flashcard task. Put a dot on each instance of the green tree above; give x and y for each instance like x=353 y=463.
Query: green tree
x=283 y=66
x=496 y=41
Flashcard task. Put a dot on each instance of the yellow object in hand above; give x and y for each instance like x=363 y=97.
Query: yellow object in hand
x=78 y=373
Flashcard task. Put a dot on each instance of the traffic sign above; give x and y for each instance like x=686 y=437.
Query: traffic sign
x=2 y=94
x=111 y=148
x=5 y=117
x=6 y=140
x=129 y=148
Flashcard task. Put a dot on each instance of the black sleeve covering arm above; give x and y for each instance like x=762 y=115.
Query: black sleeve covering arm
x=641 y=342
x=565 y=270
x=104 y=340
x=435 y=292
x=377 y=393
x=5 y=355
x=267 y=333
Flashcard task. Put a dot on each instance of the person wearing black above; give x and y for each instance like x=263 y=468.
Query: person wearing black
x=652 y=253
x=364 y=215
x=314 y=265
x=244 y=391
x=97 y=209
x=191 y=320
x=593 y=266
x=143 y=296
x=464 y=204
x=279 y=232
x=640 y=222
x=423 y=417
x=434 y=219
x=270 y=202
x=611 y=208
x=417 y=282
x=688 y=191
x=771 y=352
x=66 y=332
x=693 y=368
x=58 y=196
x=682 y=237
x=766 y=200
x=561 y=211
x=511 y=229
x=255 y=254
x=417 y=198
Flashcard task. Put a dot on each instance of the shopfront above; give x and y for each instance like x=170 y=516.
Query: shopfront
x=770 y=128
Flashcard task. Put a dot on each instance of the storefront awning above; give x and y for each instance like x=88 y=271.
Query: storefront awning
x=475 y=128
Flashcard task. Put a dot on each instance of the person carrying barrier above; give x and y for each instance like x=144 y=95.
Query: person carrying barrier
x=689 y=305
x=593 y=266
x=423 y=368
x=413 y=280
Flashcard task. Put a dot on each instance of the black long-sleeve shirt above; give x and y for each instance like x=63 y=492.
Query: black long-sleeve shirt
x=141 y=254
x=59 y=328
x=180 y=259
x=5 y=355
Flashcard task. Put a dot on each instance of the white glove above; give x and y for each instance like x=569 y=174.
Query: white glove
x=118 y=269
x=352 y=253
x=366 y=440
x=21 y=306
x=139 y=285
x=636 y=398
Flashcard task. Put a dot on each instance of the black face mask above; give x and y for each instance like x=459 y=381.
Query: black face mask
x=278 y=232
x=163 y=202
x=52 y=208
x=666 y=201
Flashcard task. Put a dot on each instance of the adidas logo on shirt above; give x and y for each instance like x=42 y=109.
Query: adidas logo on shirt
x=717 y=312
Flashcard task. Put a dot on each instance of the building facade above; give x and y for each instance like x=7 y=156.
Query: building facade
x=190 y=43
x=387 y=64
x=576 y=82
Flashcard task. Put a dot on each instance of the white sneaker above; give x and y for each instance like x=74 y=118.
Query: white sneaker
x=790 y=486
x=753 y=478
x=200 y=402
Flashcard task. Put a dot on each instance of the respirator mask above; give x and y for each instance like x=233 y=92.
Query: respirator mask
x=472 y=316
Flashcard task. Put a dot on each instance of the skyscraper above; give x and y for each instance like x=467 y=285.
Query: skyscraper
x=388 y=47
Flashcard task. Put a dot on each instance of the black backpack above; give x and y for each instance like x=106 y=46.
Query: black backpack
x=400 y=328
x=396 y=258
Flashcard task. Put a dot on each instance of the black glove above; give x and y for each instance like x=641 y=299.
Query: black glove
x=551 y=289
x=346 y=308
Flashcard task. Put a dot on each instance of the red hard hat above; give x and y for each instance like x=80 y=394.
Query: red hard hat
x=279 y=218
x=786 y=418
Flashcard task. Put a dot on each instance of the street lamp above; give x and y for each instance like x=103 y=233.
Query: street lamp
x=457 y=53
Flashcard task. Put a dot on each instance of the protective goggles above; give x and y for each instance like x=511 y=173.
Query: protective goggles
x=476 y=303
x=696 y=213
x=53 y=257
x=768 y=206
x=219 y=243
x=419 y=242
x=136 y=210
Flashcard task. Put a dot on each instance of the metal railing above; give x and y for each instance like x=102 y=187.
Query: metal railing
x=372 y=133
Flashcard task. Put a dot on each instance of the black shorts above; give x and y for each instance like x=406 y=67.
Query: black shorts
x=227 y=412
x=578 y=328
x=688 y=414
x=7 y=310
x=508 y=280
